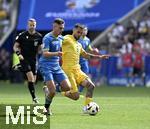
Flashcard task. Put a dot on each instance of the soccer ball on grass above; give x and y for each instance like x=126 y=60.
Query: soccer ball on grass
x=93 y=108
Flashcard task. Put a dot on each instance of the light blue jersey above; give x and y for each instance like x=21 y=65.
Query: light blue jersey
x=49 y=66
x=85 y=42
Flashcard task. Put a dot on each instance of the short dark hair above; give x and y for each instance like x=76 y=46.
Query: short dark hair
x=59 y=21
x=78 y=25
x=32 y=20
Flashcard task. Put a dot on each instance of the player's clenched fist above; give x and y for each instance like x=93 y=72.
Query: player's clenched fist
x=20 y=57
x=59 y=53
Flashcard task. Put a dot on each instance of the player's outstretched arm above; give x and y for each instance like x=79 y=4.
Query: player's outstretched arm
x=50 y=54
x=89 y=55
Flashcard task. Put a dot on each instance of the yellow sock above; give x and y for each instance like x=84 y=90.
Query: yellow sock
x=87 y=100
x=63 y=93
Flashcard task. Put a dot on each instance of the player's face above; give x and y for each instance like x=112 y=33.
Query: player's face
x=58 y=28
x=77 y=32
x=31 y=26
x=85 y=31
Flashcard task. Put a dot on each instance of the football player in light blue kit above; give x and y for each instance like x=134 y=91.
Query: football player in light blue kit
x=85 y=42
x=49 y=63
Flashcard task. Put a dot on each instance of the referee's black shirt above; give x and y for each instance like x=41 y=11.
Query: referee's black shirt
x=29 y=44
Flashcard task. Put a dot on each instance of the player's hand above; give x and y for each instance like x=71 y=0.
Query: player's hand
x=20 y=57
x=104 y=56
x=59 y=53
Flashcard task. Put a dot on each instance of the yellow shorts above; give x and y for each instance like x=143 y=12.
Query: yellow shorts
x=76 y=76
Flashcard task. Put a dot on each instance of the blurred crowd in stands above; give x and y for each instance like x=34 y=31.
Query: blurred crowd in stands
x=4 y=16
x=130 y=44
x=4 y=64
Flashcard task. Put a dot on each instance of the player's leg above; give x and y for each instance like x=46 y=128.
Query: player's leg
x=89 y=94
x=73 y=93
x=31 y=81
x=66 y=85
x=49 y=97
x=85 y=69
x=26 y=68
x=49 y=88
x=33 y=75
x=84 y=80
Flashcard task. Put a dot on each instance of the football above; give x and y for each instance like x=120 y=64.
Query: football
x=93 y=108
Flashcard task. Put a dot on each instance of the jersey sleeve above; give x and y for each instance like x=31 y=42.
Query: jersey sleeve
x=40 y=39
x=19 y=38
x=82 y=51
x=89 y=45
x=46 y=44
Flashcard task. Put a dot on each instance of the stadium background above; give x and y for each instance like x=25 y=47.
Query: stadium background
x=121 y=107
x=98 y=15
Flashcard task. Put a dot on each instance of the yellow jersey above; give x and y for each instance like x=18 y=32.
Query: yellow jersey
x=72 y=50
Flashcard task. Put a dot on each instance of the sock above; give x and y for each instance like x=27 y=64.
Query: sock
x=87 y=101
x=58 y=87
x=31 y=89
x=63 y=93
x=48 y=101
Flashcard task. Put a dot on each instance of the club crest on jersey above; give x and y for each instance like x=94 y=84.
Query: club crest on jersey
x=35 y=43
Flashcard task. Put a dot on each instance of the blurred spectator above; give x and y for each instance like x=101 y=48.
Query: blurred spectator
x=4 y=16
x=127 y=46
x=138 y=64
x=95 y=70
x=127 y=68
x=4 y=64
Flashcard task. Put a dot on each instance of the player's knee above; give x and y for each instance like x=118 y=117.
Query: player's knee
x=52 y=93
x=91 y=86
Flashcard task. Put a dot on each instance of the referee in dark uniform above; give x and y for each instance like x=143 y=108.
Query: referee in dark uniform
x=26 y=46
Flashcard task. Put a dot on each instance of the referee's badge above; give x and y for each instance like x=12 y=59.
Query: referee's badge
x=35 y=43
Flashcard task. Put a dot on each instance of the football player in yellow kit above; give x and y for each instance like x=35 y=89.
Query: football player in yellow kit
x=72 y=50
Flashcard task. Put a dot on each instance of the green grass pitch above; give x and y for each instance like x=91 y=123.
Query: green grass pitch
x=120 y=107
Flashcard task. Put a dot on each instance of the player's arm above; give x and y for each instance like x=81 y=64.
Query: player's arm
x=16 y=46
x=94 y=51
x=46 y=53
x=89 y=55
x=40 y=44
x=46 y=49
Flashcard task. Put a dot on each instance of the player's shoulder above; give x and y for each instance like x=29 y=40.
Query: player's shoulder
x=48 y=36
x=86 y=38
x=68 y=37
x=22 y=33
x=61 y=37
x=38 y=34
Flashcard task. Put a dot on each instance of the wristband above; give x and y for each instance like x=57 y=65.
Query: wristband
x=18 y=53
